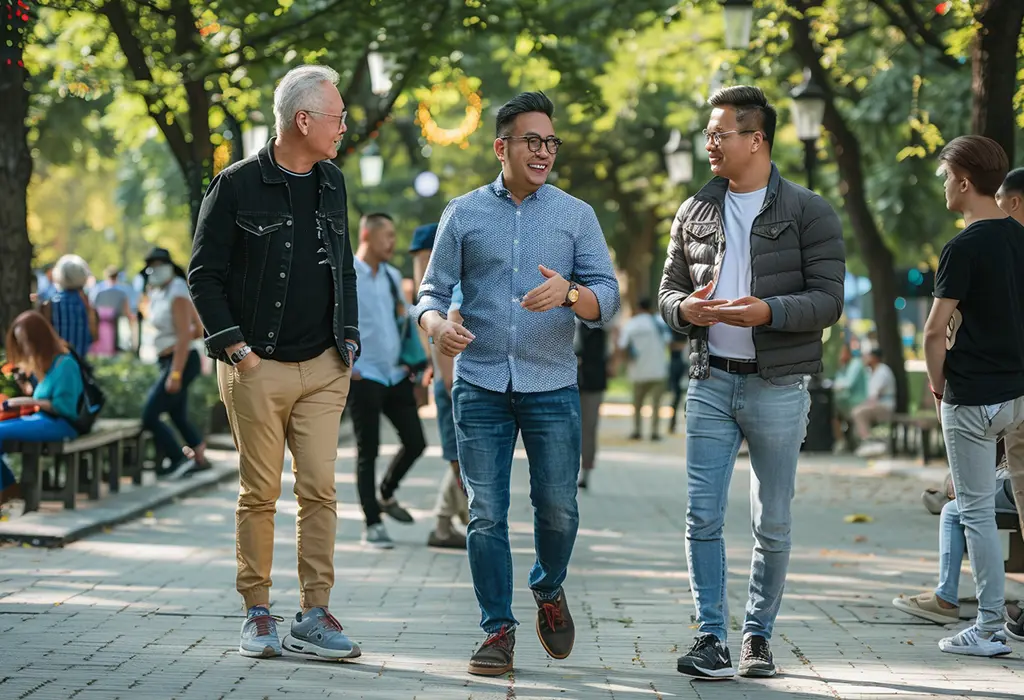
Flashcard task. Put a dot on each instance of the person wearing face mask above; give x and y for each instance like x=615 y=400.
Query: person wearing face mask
x=754 y=274
x=172 y=316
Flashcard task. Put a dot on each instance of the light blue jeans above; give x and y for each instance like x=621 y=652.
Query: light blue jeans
x=971 y=433
x=720 y=412
x=953 y=541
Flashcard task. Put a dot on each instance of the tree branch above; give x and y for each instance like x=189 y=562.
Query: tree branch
x=915 y=31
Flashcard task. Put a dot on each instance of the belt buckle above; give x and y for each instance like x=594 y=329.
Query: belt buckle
x=729 y=367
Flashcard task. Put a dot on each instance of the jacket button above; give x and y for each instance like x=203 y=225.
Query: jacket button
x=259 y=228
x=269 y=349
x=277 y=305
x=282 y=275
x=288 y=222
x=775 y=229
x=287 y=244
x=270 y=334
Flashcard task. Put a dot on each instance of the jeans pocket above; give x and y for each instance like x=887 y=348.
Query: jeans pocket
x=787 y=381
x=992 y=410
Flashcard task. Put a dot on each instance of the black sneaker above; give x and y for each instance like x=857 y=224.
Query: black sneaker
x=708 y=658
x=756 y=658
x=1015 y=630
x=392 y=508
x=494 y=657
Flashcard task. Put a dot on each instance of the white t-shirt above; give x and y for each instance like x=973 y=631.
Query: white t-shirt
x=645 y=340
x=882 y=386
x=161 y=314
x=741 y=208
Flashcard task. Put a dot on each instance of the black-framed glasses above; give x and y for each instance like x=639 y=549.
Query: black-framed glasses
x=341 y=117
x=552 y=143
x=716 y=136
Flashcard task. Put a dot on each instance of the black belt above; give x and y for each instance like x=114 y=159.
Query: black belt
x=733 y=366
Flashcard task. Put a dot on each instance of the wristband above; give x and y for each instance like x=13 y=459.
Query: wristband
x=936 y=394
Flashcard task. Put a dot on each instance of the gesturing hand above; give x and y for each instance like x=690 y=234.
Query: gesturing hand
x=746 y=312
x=549 y=295
x=698 y=310
x=452 y=338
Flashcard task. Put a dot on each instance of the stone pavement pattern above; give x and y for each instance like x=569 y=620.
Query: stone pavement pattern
x=148 y=610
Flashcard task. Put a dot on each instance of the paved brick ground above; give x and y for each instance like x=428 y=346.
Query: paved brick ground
x=148 y=610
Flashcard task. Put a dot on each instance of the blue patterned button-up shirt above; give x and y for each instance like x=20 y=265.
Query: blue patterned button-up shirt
x=494 y=248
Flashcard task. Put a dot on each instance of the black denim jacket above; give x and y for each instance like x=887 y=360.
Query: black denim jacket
x=241 y=256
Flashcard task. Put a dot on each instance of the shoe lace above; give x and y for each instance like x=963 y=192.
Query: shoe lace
x=501 y=639
x=757 y=649
x=331 y=622
x=553 y=615
x=703 y=642
x=265 y=624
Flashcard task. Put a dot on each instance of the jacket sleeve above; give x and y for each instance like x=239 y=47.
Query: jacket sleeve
x=208 y=268
x=676 y=283
x=823 y=259
x=350 y=296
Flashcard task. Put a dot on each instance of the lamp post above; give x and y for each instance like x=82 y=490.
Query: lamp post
x=739 y=18
x=678 y=158
x=371 y=166
x=380 y=73
x=808 y=114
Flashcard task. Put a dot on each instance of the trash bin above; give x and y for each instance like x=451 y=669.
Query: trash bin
x=819 y=421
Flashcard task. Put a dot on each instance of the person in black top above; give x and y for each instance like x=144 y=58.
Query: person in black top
x=273 y=281
x=591 y=346
x=974 y=349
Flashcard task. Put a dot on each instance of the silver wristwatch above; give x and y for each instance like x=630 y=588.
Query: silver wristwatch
x=239 y=354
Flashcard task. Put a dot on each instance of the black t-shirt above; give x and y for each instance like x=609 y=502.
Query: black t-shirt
x=307 y=328
x=592 y=373
x=983 y=268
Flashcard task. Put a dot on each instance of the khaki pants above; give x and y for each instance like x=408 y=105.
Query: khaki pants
x=451 y=501
x=869 y=414
x=641 y=390
x=272 y=404
x=1014 y=442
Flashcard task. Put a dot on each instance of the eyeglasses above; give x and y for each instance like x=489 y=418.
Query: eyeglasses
x=342 y=117
x=716 y=136
x=534 y=142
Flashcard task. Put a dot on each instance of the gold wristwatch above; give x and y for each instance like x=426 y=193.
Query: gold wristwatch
x=572 y=296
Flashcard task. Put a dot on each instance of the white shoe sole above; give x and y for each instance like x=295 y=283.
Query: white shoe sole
x=719 y=674
x=939 y=619
x=268 y=652
x=379 y=545
x=1011 y=635
x=310 y=650
x=758 y=671
x=988 y=649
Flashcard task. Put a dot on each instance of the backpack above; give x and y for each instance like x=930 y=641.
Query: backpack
x=92 y=400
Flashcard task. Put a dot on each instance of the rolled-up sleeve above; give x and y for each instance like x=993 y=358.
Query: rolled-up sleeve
x=593 y=268
x=444 y=270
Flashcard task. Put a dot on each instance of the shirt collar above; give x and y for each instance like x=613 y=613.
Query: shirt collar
x=498 y=187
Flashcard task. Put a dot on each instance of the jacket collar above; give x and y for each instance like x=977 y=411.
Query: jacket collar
x=272 y=173
x=714 y=191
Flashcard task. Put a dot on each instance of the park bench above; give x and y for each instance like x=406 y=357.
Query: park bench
x=115 y=448
x=909 y=432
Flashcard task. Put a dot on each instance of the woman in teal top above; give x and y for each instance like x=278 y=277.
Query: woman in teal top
x=36 y=349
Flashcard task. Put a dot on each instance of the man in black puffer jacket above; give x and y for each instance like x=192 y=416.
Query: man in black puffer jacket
x=754 y=275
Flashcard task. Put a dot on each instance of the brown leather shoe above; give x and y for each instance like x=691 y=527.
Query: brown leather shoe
x=555 y=626
x=494 y=657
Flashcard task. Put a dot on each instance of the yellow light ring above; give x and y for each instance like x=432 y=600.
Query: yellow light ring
x=458 y=135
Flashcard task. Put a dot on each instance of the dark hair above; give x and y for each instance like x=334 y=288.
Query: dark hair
x=980 y=159
x=876 y=353
x=645 y=305
x=1014 y=181
x=374 y=220
x=752 y=109
x=41 y=343
x=521 y=104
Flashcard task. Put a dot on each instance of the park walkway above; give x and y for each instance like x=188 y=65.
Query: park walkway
x=148 y=610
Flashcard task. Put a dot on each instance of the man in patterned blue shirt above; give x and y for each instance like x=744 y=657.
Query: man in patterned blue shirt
x=530 y=258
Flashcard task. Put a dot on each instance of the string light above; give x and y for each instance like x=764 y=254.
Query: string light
x=459 y=135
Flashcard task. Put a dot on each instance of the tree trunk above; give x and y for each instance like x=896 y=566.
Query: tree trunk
x=876 y=254
x=994 y=71
x=15 y=173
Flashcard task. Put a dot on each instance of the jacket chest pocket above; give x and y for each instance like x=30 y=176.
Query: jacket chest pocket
x=260 y=225
x=772 y=230
x=705 y=233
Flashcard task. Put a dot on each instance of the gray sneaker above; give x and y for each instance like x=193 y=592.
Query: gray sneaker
x=259 y=634
x=376 y=536
x=318 y=634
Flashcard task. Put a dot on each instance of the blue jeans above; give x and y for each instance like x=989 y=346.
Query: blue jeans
x=175 y=406
x=971 y=433
x=487 y=424
x=720 y=412
x=39 y=427
x=445 y=422
x=953 y=541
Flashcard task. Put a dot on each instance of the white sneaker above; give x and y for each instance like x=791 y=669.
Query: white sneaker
x=871 y=449
x=969 y=642
x=377 y=537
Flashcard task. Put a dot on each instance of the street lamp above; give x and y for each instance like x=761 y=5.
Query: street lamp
x=254 y=139
x=678 y=159
x=739 y=17
x=380 y=73
x=371 y=166
x=808 y=114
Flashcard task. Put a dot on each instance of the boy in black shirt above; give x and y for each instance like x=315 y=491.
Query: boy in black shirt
x=974 y=348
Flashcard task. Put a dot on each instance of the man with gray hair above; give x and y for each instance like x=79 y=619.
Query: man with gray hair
x=272 y=278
